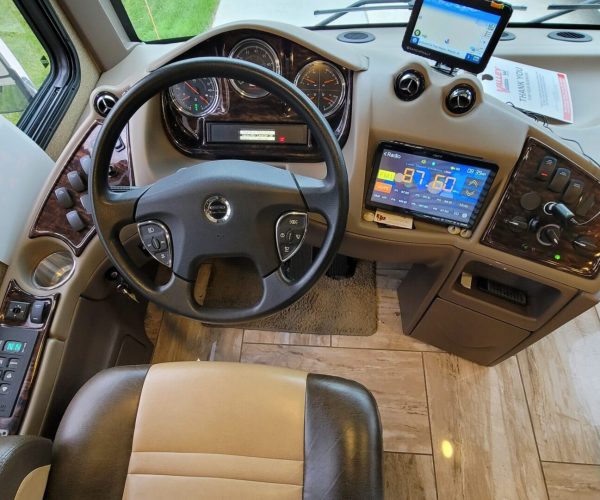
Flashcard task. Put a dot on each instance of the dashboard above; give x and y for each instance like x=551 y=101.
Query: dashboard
x=500 y=225
x=215 y=118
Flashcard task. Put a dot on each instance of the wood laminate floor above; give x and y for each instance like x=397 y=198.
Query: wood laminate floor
x=528 y=428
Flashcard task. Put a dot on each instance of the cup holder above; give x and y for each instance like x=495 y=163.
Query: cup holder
x=54 y=270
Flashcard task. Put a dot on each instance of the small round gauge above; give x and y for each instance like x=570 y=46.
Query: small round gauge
x=196 y=97
x=258 y=52
x=324 y=85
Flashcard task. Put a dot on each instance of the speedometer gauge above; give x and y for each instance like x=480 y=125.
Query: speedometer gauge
x=196 y=97
x=258 y=52
x=324 y=85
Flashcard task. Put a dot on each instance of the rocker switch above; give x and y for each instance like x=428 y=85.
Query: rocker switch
x=560 y=180
x=546 y=168
x=76 y=181
x=63 y=197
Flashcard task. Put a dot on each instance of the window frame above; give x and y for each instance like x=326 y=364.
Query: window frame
x=44 y=113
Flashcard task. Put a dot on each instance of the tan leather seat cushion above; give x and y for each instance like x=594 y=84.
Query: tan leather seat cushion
x=226 y=431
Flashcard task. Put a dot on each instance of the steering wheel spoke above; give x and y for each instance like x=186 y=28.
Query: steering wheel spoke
x=118 y=207
x=320 y=196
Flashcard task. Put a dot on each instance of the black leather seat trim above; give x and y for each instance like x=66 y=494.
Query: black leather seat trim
x=19 y=455
x=343 y=448
x=93 y=444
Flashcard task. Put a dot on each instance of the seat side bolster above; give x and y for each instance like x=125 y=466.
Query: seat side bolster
x=343 y=450
x=20 y=456
x=93 y=444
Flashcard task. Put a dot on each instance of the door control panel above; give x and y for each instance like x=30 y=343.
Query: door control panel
x=547 y=213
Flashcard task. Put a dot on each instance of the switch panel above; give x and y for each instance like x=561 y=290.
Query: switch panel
x=522 y=227
x=16 y=348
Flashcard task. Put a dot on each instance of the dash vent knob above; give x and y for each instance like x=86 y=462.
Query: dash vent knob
x=409 y=85
x=461 y=99
x=104 y=102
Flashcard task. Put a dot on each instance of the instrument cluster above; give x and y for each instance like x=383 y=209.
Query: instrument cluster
x=191 y=107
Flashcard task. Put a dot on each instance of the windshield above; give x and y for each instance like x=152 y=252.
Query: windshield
x=155 y=20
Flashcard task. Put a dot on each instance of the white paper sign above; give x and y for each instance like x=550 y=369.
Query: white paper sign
x=529 y=88
x=395 y=220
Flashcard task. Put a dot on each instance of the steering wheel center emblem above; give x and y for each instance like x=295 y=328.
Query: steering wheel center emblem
x=217 y=209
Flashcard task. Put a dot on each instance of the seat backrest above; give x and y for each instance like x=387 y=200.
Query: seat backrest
x=217 y=430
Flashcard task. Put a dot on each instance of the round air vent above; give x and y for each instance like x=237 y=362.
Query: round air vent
x=569 y=36
x=409 y=85
x=104 y=102
x=507 y=36
x=356 y=37
x=461 y=99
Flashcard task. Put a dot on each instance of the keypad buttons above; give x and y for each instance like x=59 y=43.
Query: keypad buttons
x=157 y=241
x=290 y=231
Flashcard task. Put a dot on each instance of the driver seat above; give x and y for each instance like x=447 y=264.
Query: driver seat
x=217 y=430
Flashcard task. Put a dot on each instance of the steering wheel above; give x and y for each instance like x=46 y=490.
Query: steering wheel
x=222 y=208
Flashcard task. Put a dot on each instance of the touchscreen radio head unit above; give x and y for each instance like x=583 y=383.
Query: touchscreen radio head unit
x=457 y=33
x=441 y=187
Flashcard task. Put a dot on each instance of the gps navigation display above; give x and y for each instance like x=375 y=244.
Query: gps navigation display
x=458 y=33
x=432 y=185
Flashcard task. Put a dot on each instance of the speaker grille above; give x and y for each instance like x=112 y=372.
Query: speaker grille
x=570 y=36
x=356 y=37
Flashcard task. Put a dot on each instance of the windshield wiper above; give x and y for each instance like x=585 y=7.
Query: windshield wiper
x=566 y=9
x=373 y=5
x=362 y=6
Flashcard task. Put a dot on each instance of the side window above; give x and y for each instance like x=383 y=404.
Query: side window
x=24 y=63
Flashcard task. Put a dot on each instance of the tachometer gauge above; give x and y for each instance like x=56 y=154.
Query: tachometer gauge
x=258 y=52
x=197 y=97
x=324 y=84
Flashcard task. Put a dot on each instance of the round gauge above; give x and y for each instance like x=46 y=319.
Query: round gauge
x=197 y=97
x=257 y=52
x=324 y=85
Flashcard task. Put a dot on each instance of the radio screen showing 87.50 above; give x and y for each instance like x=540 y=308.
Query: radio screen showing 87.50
x=437 y=188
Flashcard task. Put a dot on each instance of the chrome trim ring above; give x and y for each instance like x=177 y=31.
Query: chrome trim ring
x=257 y=42
x=338 y=74
x=217 y=209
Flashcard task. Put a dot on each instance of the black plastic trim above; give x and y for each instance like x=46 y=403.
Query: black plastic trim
x=125 y=20
x=43 y=115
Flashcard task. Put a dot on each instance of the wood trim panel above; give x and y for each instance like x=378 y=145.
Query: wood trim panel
x=524 y=243
x=52 y=221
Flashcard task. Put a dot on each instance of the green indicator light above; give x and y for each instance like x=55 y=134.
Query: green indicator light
x=195 y=107
x=557 y=256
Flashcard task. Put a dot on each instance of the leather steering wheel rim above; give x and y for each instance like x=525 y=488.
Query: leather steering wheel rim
x=113 y=210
